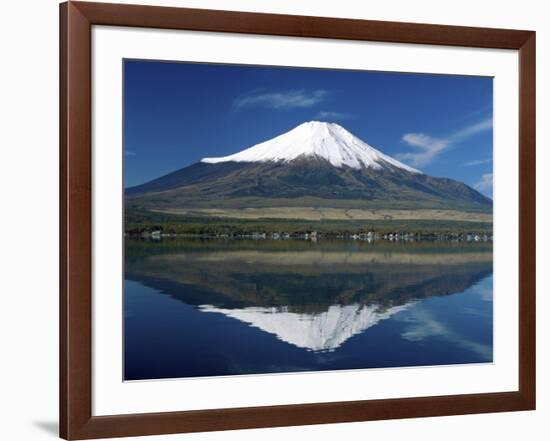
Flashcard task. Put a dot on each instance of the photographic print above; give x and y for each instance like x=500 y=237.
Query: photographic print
x=281 y=219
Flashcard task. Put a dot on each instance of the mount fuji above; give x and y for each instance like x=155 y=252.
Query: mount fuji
x=321 y=332
x=314 y=139
x=316 y=164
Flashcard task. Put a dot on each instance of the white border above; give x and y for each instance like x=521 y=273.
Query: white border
x=113 y=396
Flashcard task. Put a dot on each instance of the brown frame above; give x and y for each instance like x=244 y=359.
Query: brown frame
x=76 y=420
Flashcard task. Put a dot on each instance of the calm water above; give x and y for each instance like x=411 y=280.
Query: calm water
x=202 y=308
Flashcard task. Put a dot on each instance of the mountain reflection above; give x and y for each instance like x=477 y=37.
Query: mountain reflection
x=313 y=296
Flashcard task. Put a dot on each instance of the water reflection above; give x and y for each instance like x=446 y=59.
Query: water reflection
x=322 y=331
x=426 y=299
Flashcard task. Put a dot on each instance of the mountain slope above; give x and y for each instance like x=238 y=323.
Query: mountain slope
x=315 y=164
x=321 y=332
x=330 y=142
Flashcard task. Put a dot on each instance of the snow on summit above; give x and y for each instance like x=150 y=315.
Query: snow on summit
x=318 y=139
x=317 y=332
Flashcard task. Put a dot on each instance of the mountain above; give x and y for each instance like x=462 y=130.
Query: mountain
x=313 y=297
x=316 y=164
x=315 y=332
x=329 y=142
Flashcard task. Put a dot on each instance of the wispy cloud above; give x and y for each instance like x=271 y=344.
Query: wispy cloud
x=481 y=126
x=428 y=148
x=485 y=184
x=129 y=153
x=478 y=162
x=485 y=293
x=333 y=115
x=483 y=110
x=423 y=326
x=290 y=99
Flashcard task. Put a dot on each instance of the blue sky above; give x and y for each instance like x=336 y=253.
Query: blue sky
x=177 y=113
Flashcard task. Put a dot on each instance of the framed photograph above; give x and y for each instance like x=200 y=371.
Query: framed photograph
x=272 y=220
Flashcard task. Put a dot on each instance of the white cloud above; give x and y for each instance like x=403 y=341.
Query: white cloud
x=281 y=100
x=428 y=147
x=474 y=129
x=478 y=162
x=485 y=293
x=129 y=153
x=424 y=326
x=485 y=184
x=333 y=115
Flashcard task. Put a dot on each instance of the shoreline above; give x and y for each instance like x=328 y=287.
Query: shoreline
x=315 y=236
x=143 y=223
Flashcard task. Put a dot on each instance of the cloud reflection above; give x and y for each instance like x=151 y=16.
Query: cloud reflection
x=424 y=326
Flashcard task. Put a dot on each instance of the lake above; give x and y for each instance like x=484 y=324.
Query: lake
x=198 y=308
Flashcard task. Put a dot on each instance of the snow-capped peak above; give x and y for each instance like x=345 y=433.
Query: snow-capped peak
x=316 y=332
x=324 y=140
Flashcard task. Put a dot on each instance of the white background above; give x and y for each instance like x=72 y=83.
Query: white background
x=29 y=252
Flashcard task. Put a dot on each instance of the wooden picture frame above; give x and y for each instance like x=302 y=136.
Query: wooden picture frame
x=76 y=21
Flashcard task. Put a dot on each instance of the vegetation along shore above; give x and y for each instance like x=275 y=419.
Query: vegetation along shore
x=144 y=223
